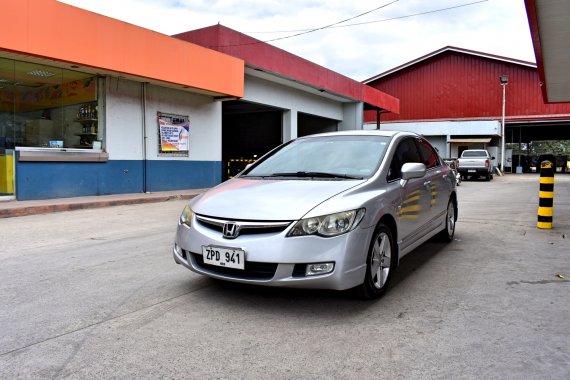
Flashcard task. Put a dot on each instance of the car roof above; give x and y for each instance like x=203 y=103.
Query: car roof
x=360 y=132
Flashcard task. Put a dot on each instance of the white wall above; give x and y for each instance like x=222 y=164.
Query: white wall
x=205 y=122
x=445 y=128
x=123 y=119
x=353 y=116
x=124 y=126
x=261 y=91
x=292 y=101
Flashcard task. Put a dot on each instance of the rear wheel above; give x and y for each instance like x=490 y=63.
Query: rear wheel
x=446 y=235
x=380 y=263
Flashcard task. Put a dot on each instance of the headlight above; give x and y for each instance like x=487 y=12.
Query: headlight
x=328 y=225
x=186 y=216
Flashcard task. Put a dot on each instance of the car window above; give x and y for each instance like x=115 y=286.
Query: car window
x=474 y=153
x=345 y=155
x=406 y=151
x=428 y=155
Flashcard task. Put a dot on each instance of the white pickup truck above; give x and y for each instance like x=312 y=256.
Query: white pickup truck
x=476 y=163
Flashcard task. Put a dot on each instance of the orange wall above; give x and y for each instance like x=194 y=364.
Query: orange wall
x=50 y=29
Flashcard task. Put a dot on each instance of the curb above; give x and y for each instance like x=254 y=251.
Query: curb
x=57 y=205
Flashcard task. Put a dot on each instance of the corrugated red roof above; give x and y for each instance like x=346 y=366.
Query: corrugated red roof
x=460 y=84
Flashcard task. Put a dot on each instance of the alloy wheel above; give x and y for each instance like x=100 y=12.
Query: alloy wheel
x=450 y=220
x=380 y=260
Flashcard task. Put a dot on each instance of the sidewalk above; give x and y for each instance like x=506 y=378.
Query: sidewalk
x=15 y=208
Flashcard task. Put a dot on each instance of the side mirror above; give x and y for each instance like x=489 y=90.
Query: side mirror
x=492 y=158
x=413 y=170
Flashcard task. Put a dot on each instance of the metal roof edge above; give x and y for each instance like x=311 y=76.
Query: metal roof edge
x=262 y=56
x=449 y=49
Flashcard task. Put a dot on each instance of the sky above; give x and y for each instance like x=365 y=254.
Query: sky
x=378 y=36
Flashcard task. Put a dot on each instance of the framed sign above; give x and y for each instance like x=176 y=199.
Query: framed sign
x=173 y=135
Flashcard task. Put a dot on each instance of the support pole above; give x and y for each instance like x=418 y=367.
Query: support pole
x=503 y=129
x=546 y=196
x=377 y=119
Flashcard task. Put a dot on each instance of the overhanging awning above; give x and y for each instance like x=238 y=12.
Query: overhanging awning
x=477 y=140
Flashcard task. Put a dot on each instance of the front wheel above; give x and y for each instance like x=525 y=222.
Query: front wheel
x=380 y=263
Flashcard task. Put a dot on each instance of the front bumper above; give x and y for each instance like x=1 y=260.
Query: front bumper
x=275 y=260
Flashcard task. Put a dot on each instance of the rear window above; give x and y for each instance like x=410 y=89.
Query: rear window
x=474 y=153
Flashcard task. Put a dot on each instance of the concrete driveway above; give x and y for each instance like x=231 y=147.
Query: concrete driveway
x=95 y=294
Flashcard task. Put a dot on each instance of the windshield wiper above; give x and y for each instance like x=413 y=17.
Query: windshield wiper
x=303 y=174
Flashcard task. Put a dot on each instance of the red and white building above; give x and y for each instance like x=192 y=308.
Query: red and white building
x=454 y=97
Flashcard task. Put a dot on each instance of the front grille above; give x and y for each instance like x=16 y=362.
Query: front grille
x=252 y=271
x=245 y=227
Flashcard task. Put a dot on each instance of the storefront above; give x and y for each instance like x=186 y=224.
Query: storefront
x=45 y=107
x=99 y=106
x=105 y=107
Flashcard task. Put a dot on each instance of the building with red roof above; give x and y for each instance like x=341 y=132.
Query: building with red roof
x=454 y=97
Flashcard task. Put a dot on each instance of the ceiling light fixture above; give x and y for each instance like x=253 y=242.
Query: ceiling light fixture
x=41 y=73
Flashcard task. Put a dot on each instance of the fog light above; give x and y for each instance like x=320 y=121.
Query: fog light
x=321 y=268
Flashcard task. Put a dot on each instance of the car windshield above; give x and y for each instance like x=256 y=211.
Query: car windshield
x=333 y=157
x=474 y=153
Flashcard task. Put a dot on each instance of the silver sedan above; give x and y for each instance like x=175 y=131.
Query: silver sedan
x=329 y=211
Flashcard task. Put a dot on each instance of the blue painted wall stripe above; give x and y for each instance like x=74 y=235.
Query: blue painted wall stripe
x=46 y=180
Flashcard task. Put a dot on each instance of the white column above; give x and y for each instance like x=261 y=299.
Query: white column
x=289 y=125
x=352 y=116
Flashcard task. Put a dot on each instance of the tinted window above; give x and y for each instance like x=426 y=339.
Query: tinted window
x=405 y=152
x=428 y=155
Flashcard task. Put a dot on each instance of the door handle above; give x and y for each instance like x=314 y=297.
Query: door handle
x=427 y=183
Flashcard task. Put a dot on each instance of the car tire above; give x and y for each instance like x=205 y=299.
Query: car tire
x=446 y=235
x=380 y=263
x=487 y=177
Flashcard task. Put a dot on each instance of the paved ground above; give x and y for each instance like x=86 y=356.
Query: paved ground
x=95 y=294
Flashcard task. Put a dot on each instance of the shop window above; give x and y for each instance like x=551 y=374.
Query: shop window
x=45 y=106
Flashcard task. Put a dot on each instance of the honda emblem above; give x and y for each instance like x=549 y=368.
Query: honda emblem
x=231 y=230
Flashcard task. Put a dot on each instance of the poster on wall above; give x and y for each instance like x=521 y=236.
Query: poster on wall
x=174 y=134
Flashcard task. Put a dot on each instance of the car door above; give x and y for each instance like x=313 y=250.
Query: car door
x=414 y=198
x=437 y=182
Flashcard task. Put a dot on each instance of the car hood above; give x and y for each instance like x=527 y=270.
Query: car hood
x=267 y=200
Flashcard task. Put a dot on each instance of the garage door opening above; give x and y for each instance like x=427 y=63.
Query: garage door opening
x=311 y=124
x=249 y=130
x=530 y=143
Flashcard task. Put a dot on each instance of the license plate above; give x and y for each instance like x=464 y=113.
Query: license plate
x=224 y=256
x=471 y=171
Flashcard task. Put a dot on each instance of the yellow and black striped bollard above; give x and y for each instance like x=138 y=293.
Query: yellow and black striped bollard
x=546 y=195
